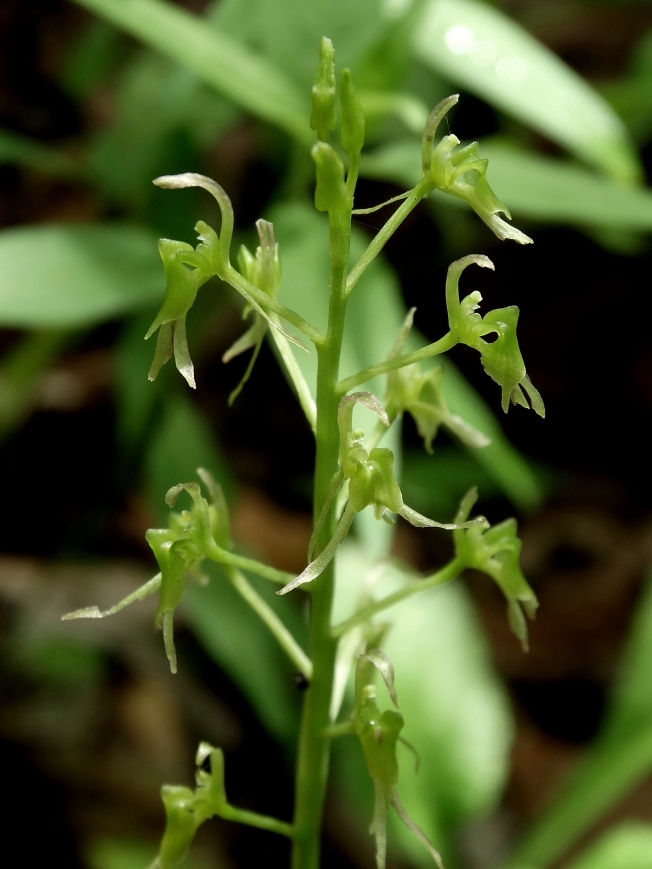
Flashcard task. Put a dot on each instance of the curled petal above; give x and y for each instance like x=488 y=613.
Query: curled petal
x=415 y=829
x=420 y=521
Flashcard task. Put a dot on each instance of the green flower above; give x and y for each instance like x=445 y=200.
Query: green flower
x=461 y=173
x=500 y=358
x=179 y=550
x=495 y=550
x=379 y=733
x=186 y=269
x=421 y=395
x=186 y=810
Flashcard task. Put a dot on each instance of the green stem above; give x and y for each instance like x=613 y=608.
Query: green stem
x=223 y=556
x=285 y=639
x=314 y=750
x=253 y=819
x=442 y=346
x=423 y=188
x=237 y=281
x=441 y=577
x=295 y=374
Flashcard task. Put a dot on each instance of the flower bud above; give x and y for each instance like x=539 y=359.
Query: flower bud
x=330 y=192
x=322 y=117
x=352 y=132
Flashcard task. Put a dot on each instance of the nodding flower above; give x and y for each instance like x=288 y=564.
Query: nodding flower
x=501 y=358
x=495 y=550
x=461 y=172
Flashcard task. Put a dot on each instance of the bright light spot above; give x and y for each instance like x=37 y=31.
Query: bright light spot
x=396 y=8
x=483 y=53
x=512 y=70
x=459 y=39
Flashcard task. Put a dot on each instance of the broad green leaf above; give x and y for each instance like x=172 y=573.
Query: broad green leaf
x=156 y=100
x=288 y=32
x=532 y=186
x=234 y=636
x=631 y=95
x=479 y=48
x=64 y=276
x=620 y=757
x=21 y=150
x=181 y=443
x=247 y=79
x=376 y=312
x=456 y=713
x=21 y=372
x=627 y=846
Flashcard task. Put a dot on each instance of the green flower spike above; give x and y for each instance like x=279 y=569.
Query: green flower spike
x=379 y=733
x=501 y=358
x=421 y=395
x=463 y=174
x=371 y=481
x=495 y=550
x=263 y=271
x=179 y=551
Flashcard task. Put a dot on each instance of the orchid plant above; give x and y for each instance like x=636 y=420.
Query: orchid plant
x=352 y=471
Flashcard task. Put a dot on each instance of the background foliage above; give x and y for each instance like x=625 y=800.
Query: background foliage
x=525 y=761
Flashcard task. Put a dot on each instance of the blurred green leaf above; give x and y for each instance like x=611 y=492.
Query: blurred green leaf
x=456 y=713
x=127 y=854
x=627 y=846
x=61 y=661
x=233 y=635
x=288 y=32
x=182 y=442
x=532 y=186
x=479 y=48
x=21 y=150
x=156 y=99
x=21 y=371
x=631 y=95
x=64 y=276
x=620 y=757
x=253 y=83
x=432 y=484
x=90 y=59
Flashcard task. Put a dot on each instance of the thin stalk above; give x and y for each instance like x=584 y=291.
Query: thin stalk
x=442 y=346
x=441 y=577
x=266 y=302
x=223 y=556
x=285 y=639
x=314 y=750
x=423 y=188
x=295 y=374
x=253 y=819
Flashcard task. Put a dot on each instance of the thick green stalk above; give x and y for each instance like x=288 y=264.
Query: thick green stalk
x=314 y=749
